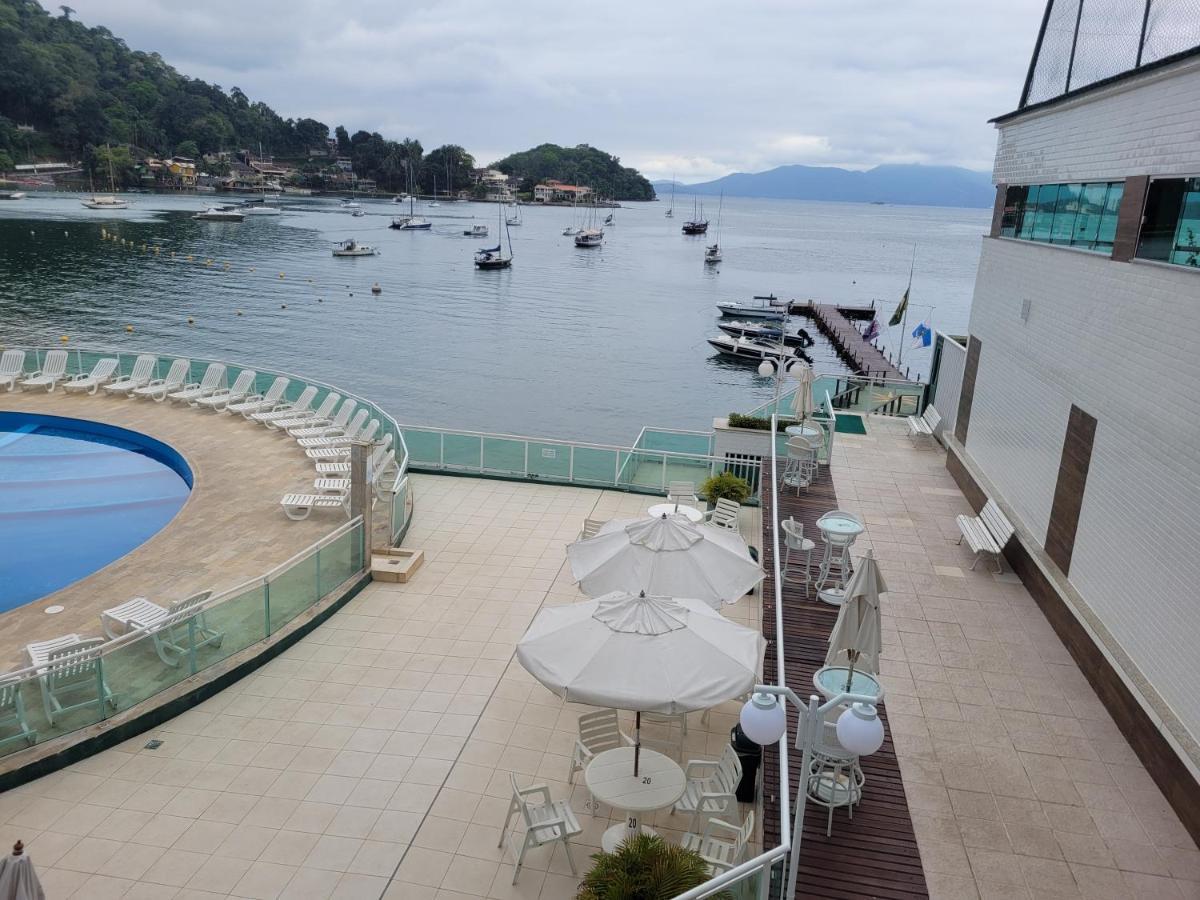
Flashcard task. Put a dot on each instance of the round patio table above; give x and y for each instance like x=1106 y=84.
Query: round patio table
x=609 y=776
x=839 y=533
x=670 y=509
x=807 y=431
x=831 y=681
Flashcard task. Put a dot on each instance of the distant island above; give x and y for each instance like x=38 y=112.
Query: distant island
x=913 y=185
x=80 y=97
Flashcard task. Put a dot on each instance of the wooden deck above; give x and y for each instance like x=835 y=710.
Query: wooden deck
x=837 y=324
x=875 y=855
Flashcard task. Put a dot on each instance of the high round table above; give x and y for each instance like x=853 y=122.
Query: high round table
x=831 y=681
x=658 y=510
x=839 y=530
x=609 y=776
x=806 y=431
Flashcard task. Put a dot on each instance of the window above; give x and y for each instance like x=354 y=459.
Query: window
x=1073 y=215
x=1171 y=224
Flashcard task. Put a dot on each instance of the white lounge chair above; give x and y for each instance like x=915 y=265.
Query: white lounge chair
x=313 y=418
x=101 y=374
x=298 y=506
x=382 y=458
x=261 y=402
x=333 y=435
x=12 y=367
x=328 y=484
x=210 y=383
x=722 y=845
x=545 y=822
x=243 y=386
x=75 y=672
x=338 y=422
x=298 y=411
x=139 y=376
x=158 y=389
x=12 y=713
x=591 y=528
x=724 y=515
x=53 y=370
x=38 y=652
x=176 y=630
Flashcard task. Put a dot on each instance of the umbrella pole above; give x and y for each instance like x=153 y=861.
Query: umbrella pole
x=853 y=655
x=637 y=741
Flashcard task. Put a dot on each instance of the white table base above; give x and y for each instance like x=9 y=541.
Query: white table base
x=616 y=835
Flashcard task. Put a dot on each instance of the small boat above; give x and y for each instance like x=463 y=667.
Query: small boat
x=352 y=247
x=493 y=257
x=749 y=349
x=351 y=204
x=220 y=214
x=411 y=223
x=432 y=203
x=712 y=254
x=476 y=231
x=671 y=208
x=105 y=201
x=260 y=208
x=401 y=198
x=773 y=309
x=12 y=195
x=571 y=231
x=513 y=220
x=609 y=221
x=768 y=333
x=697 y=224
x=589 y=237
x=358 y=213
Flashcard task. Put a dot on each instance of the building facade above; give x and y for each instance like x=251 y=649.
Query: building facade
x=1079 y=408
x=551 y=191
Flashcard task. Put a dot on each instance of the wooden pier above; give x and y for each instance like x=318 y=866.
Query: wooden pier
x=836 y=322
x=874 y=855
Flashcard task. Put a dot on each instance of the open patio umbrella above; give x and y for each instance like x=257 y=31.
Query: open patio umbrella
x=856 y=635
x=18 y=880
x=641 y=653
x=666 y=557
x=802 y=399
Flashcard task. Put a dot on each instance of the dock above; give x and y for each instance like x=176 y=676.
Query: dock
x=836 y=322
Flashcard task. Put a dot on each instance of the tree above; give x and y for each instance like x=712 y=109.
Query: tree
x=6 y=162
x=451 y=165
x=584 y=165
x=188 y=149
x=67 y=12
x=343 y=140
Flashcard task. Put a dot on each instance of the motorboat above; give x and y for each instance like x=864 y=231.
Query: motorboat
x=476 y=231
x=609 y=221
x=351 y=204
x=771 y=309
x=105 y=201
x=749 y=349
x=260 y=208
x=712 y=254
x=358 y=213
x=352 y=247
x=571 y=231
x=432 y=203
x=220 y=214
x=589 y=237
x=12 y=195
x=411 y=223
x=770 y=333
x=401 y=198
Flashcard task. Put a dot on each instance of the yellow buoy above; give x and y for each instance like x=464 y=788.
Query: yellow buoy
x=208 y=262
x=172 y=254
x=190 y=257
x=64 y=338
x=143 y=248
x=129 y=328
x=280 y=274
x=226 y=267
x=157 y=250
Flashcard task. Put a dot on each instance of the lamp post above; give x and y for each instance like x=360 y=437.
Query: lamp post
x=764 y=721
x=780 y=365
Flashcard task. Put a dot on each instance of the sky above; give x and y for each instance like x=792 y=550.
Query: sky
x=693 y=89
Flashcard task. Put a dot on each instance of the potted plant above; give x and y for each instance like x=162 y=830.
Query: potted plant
x=726 y=486
x=645 y=867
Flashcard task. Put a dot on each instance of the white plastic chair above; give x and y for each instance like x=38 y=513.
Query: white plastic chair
x=158 y=389
x=12 y=367
x=139 y=376
x=591 y=528
x=801 y=466
x=545 y=823
x=243 y=386
x=101 y=374
x=711 y=787
x=300 y=411
x=598 y=731
x=73 y=672
x=53 y=370
x=12 y=713
x=337 y=423
x=380 y=461
x=724 y=515
x=168 y=628
x=333 y=434
x=298 y=506
x=261 y=402
x=795 y=542
x=682 y=492
x=210 y=383
x=722 y=845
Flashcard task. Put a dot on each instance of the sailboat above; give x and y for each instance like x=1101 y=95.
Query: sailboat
x=712 y=253
x=434 y=201
x=573 y=229
x=671 y=208
x=493 y=257
x=109 y=201
x=410 y=222
x=697 y=224
x=516 y=219
x=591 y=236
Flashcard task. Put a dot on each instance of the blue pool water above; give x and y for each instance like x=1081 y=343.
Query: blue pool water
x=74 y=496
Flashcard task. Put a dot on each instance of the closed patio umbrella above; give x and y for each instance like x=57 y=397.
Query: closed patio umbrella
x=857 y=634
x=641 y=653
x=666 y=557
x=802 y=399
x=18 y=880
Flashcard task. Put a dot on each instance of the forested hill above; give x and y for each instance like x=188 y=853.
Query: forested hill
x=577 y=165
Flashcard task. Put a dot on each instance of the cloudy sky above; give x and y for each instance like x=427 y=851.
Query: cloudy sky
x=695 y=88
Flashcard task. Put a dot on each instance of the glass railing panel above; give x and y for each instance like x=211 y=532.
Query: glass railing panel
x=595 y=465
x=292 y=591
x=232 y=624
x=423 y=446
x=503 y=456
x=462 y=451
x=399 y=510
x=550 y=461
x=152 y=663
x=674 y=441
x=339 y=560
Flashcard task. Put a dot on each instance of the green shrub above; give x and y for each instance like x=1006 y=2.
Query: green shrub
x=645 y=867
x=726 y=486
x=757 y=423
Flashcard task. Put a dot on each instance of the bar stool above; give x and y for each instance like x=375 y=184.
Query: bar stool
x=796 y=542
x=801 y=463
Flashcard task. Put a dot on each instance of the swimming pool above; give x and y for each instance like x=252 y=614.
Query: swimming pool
x=76 y=495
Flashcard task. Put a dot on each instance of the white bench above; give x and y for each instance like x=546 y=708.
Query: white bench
x=986 y=533
x=925 y=425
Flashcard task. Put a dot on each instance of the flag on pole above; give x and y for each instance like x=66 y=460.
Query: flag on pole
x=923 y=335
x=899 y=313
x=872 y=331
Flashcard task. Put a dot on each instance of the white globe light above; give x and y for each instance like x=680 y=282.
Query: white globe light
x=766 y=368
x=763 y=719
x=860 y=730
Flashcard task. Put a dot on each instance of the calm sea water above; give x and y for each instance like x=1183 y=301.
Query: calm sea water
x=569 y=343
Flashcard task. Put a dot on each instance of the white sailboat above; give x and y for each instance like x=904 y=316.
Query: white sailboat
x=513 y=219
x=671 y=208
x=411 y=222
x=493 y=257
x=592 y=235
x=712 y=253
x=107 y=201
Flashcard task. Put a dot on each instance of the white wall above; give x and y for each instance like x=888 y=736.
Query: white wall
x=949 y=383
x=1142 y=126
x=1122 y=342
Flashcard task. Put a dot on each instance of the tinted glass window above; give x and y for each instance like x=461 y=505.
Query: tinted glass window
x=1064 y=213
x=1077 y=215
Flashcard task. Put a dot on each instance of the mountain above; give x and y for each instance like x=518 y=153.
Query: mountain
x=585 y=165
x=902 y=184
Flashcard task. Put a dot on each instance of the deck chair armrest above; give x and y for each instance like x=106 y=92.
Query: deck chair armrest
x=715 y=825
x=724 y=796
x=34 y=374
x=556 y=822
x=190 y=386
x=540 y=789
x=699 y=767
x=79 y=376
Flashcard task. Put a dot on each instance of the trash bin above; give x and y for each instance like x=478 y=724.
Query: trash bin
x=753 y=556
x=750 y=756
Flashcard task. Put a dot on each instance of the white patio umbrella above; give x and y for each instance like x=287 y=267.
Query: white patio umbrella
x=802 y=399
x=641 y=653
x=666 y=556
x=18 y=880
x=856 y=636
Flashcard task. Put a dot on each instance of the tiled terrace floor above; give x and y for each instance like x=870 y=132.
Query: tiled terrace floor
x=372 y=758
x=1019 y=783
